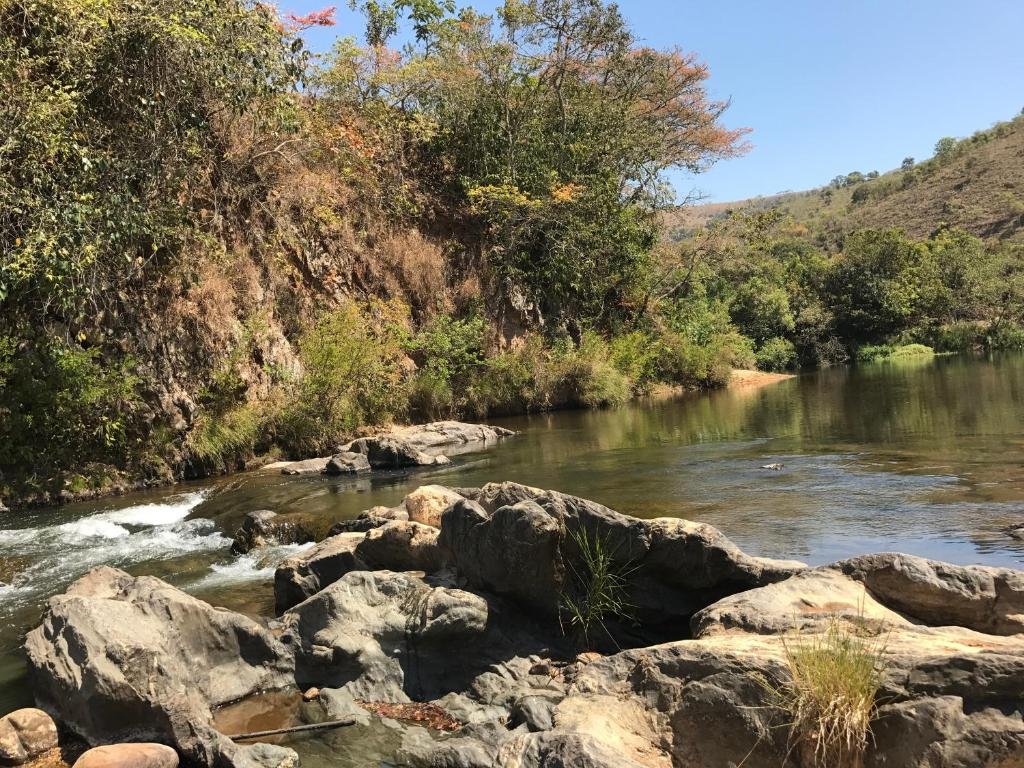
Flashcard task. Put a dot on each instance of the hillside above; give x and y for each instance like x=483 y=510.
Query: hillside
x=976 y=184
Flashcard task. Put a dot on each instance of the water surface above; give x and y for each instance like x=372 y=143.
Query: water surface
x=922 y=457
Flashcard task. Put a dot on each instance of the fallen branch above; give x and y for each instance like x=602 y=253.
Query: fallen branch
x=294 y=729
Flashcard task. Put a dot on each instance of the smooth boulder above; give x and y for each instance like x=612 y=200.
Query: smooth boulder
x=26 y=734
x=303 y=575
x=135 y=755
x=347 y=463
x=264 y=528
x=428 y=502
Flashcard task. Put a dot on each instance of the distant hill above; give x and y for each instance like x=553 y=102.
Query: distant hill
x=976 y=184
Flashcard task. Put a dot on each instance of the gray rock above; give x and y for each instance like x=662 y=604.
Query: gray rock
x=25 y=734
x=427 y=504
x=989 y=600
x=303 y=575
x=374 y=517
x=265 y=528
x=391 y=453
x=493 y=496
x=306 y=467
x=119 y=658
x=347 y=463
x=424 y=444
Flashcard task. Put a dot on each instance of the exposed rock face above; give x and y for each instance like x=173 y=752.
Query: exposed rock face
x=346 y=463
x=264 y=528
x=25 y=734
x=144 y=755
x=119 y=658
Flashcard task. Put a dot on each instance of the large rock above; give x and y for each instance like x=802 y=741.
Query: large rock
x=386 y=636
x=119 y=658
x=265 y=528
x=346 y=463
x=530 y=550
x=401 y=546
x=25 y=734
x=303 y=575
x=424 y=444
x=305 y=467
x=374 y=517
x=138 y=755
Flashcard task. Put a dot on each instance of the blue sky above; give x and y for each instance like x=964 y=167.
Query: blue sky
x=828 y=86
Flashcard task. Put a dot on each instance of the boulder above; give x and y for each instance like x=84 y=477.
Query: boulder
x=493 y=496
x=137 y=755
x=385 y=636
x=26 y=734
x=119 y=658
x=388 y=452
x=530 y=550
x=346 y=463
x=401 y=546
x=265 y=528
x=989 y=600
x=303 y=575
x=428 y=502
x=1016 y=532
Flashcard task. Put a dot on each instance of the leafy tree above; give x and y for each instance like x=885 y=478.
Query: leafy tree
x=945 y=147
x=907 y=164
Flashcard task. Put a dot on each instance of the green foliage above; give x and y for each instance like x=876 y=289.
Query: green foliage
x=63 y=405
x=219 y=438
x=776 y=354
x=881 y=352
x=449 y=353
x=597 y=588
x=352 y=377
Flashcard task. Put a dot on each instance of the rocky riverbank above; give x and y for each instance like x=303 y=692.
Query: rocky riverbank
x=475 y=607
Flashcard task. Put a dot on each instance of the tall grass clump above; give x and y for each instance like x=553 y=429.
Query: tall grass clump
x=831 y=696
x=598 y=587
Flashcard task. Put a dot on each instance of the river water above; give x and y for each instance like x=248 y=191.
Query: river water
x=922 y=457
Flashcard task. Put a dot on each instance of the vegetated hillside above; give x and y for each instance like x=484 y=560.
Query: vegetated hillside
x=214 y=246
x=975 y=184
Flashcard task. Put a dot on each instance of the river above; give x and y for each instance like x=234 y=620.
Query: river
x=923 y=456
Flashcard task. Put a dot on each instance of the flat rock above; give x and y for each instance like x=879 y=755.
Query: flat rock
x=374 y=517
x=25 y=734
x=135 y=755
x=424 y=444
x=306 y=467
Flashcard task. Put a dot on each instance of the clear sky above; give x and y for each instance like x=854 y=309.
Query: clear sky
x=828 y=86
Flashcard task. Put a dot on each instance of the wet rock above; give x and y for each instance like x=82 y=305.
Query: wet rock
x=120 y=658
x=265 y=528
x=1016 y=532
x=26 y=734
x=428 y=502
x=773 y=467
x=374 y=517
x=12 y=569
x=346 y=463
x=401 y=546
x=136 y=755
x=302 y=576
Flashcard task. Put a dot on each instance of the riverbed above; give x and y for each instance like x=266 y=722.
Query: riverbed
x=922 y=456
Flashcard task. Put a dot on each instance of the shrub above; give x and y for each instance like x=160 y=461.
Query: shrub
x=352 y=377
x=636 y=355
x=62 y=405
x=218 y=440
x=879 y=352
x=584 y=375
x=776 y=354
x=450 y=354
x=1005 y=337
x=830 y=697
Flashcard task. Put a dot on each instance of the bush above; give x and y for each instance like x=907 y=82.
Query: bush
x=586 y=376
x=880 y=352
x=62 y=405
x=1008 y=336
x=352 y=377
x=450 y=354
x=776 y=354
x=220 y=440
x=636 y=355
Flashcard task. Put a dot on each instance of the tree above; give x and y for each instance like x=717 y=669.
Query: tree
x=907 y=164
x=945 y=147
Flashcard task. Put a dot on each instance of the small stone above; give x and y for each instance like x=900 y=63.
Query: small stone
x=311 y=694
x=142 y=755
x=773 y=467
x=25 y=734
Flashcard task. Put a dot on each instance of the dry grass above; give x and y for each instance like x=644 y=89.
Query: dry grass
x=415 y=268
x=830 y=698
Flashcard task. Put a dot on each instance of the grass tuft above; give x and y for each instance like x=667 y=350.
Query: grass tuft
x=598 y=588
x=831 y=695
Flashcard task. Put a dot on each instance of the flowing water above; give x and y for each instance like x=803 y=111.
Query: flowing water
x=923 y=457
